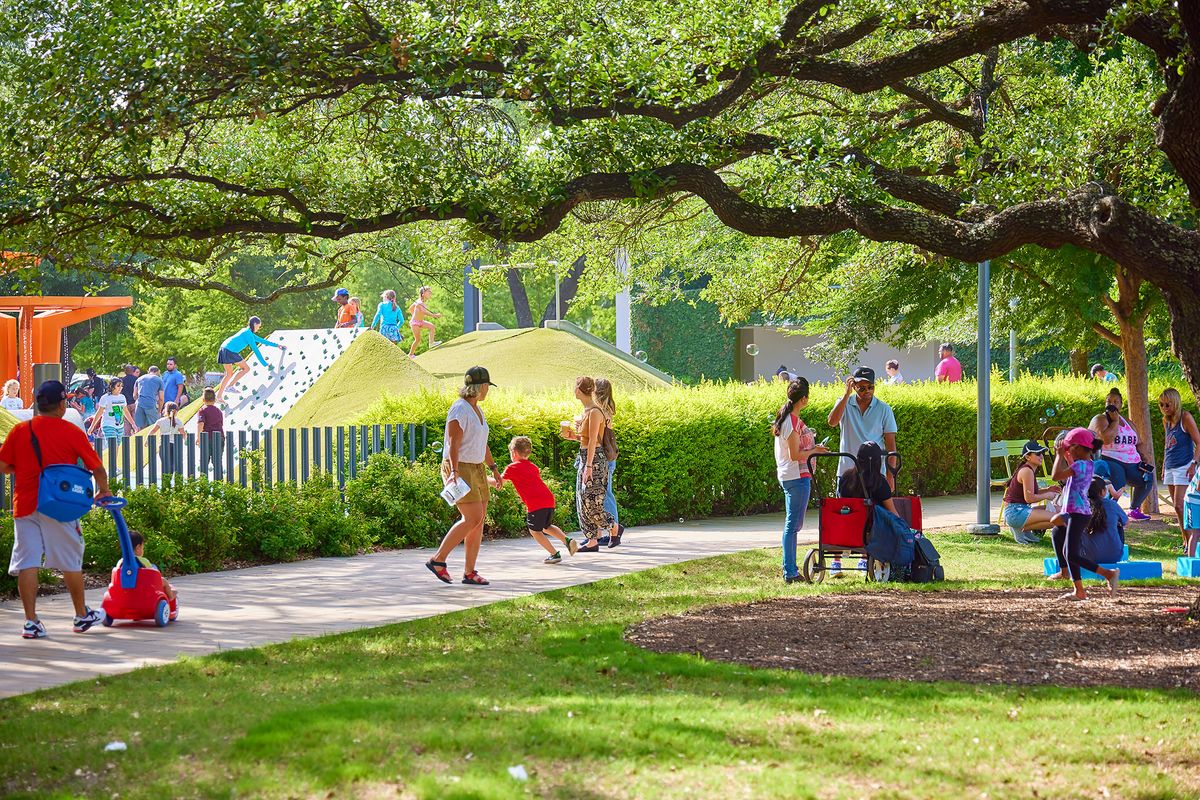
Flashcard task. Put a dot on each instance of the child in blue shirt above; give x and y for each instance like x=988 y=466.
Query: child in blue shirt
x=389 y=317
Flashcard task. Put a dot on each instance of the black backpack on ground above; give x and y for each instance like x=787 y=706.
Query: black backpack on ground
x=926 y=565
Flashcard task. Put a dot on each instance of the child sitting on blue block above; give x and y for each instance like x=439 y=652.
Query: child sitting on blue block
x=1105 y=542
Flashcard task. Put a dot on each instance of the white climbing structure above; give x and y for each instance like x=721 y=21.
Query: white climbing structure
x=260 y=399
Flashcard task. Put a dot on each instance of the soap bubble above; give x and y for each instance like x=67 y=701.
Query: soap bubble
x=1049 y=412
x=681 y=519
x=752 y=349
x=436 y=447
x=640 y=355
x=506 y=423
x=1042 y=420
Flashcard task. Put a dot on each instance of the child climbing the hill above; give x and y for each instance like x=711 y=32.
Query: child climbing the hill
x=389 y=317
x=1073 y=463
x=536 y=495
x=139 y=550
x=230 y=355
x=418 y=312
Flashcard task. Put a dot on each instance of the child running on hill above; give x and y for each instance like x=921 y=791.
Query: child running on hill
x=389 y=317
x=538 y=499
x=1073 y=463
x=418 y=312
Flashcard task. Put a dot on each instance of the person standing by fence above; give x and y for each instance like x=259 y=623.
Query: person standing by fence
x=467 y=457
x=210 y=430
x=168 y=427
x=111 y=411
x=147 y=398
x=39 y=540
x=174 y=384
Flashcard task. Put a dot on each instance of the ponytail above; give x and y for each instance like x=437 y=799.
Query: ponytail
x=797 y=390
x=1097 y=491
x=870 y=466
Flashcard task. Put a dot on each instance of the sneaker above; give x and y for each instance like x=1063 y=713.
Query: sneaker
x=34 y=630
x=87 y=620
x=1136 y=515
x=435 y=344
x=554 y=559
x=572 y=546
x=835 y=568
x=862 y=564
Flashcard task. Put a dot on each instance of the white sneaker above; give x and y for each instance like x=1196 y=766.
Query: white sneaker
x=835 y=568
x=435 y=344
x=862 y=564
x=33 y=630
x=87 y=620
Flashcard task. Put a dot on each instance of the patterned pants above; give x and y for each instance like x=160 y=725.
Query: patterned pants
x=593 y=517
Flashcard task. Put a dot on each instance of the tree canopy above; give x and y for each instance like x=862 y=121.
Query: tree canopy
x=151 y=138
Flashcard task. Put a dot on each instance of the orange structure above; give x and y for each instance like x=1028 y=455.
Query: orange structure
x=31 y=331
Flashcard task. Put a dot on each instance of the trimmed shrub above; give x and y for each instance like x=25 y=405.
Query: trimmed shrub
x=399 y=500
x=705 y=450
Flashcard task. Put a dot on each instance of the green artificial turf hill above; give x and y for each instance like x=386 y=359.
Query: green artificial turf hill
x=7 y=421
x=532 y=359
x=370 y=368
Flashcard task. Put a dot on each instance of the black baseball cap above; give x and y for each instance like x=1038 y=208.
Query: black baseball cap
x=864 y=374
x=50 y=394
x=477 y=376
x=1034 y=447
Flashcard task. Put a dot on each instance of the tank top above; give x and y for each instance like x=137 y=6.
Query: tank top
x=1124 y=445
x=1178 y=449
x=1015 y=493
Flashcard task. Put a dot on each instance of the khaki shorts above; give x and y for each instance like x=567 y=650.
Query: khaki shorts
x=39 y=541
x=475 y=476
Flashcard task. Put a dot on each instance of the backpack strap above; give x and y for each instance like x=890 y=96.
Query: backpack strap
x=37 y=448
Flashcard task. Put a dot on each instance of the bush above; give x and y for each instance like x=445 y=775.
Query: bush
x=334 y=531
x=400 y=501
x=705 y=450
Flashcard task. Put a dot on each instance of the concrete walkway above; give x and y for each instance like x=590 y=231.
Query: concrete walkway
x=262 y=605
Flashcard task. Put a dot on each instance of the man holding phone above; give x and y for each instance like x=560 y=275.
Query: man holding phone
x=867 y=419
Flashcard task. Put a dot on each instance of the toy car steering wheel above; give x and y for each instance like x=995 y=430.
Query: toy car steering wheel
x=111 y=502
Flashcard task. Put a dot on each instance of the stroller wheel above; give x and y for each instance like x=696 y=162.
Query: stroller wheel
x=878 y=571
x=813 y=569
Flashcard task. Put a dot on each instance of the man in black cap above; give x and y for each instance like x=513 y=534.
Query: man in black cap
x=867 y=419
x=40 y=541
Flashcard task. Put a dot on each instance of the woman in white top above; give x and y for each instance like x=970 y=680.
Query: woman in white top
x=1129 y=459
x=168 y=427
x=794 y=443
x=467 y=457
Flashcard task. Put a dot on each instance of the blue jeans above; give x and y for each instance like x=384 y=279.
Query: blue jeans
x=795 y=502
x=610 y=501
x=1123 y=474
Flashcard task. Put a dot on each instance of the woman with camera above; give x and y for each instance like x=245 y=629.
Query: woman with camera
x=1130 y=460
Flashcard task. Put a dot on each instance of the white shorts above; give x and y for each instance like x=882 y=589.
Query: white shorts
x=1176 y=477
x=39 y=541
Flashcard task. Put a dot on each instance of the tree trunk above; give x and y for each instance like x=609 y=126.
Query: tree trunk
x=568 y=287
x=1079 y=361
x=1137 y=379
x=516 y=288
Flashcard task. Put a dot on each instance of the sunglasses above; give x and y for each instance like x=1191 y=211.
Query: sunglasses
x=870 y=387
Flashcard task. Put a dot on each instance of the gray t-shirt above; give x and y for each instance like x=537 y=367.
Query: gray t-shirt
x=859 y=427
x=148 y=386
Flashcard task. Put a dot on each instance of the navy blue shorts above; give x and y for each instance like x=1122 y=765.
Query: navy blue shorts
x=226 y=356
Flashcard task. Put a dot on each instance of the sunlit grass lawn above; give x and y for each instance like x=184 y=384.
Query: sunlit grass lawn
x=442 y=707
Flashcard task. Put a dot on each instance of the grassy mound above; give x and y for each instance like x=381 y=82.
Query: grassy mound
x=7 y=421
x=532 y=359
x=371 y=368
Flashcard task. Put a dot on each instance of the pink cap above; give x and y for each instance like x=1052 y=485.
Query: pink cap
x=1080 y=436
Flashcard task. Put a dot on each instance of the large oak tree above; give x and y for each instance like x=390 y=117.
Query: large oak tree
x=149 y=138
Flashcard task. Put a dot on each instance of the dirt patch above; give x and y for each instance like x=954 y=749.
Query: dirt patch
x=1019 y=636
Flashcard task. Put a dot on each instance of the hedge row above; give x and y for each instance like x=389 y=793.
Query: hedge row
x=707 y=450
x=199 y=525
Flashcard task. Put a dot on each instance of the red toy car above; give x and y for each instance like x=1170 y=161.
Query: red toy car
x=136 y=591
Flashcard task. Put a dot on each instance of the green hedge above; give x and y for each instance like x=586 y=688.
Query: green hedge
x=707 y=450
x=200 y=525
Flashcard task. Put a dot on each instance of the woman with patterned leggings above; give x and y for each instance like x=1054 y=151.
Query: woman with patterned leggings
x=591 y=482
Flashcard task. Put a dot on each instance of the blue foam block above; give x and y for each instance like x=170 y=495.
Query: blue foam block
x=1130 y=570
x=1188 y=567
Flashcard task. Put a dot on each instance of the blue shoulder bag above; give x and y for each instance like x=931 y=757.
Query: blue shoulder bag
x=65 y=491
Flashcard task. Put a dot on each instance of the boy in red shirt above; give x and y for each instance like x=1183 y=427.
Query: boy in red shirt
x=536 y=495
x=41 y=541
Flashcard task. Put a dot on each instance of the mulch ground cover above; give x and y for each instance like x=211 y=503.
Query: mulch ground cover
x=1018 y=636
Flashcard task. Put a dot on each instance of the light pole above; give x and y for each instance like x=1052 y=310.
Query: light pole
x=983 y=419
x=1012 y=342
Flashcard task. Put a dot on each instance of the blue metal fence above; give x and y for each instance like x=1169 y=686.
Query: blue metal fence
x=243 y=457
